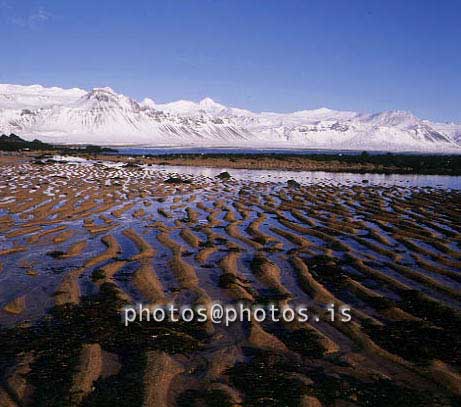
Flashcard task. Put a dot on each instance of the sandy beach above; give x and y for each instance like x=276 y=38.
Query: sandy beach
x=80 y=240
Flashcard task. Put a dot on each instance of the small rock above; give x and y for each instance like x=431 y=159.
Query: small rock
x=224 y=175
x=56 y=253
x=293 y=184
x=177 y=180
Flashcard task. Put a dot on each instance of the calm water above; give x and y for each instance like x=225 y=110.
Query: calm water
x=319 y=177
x=224 y=150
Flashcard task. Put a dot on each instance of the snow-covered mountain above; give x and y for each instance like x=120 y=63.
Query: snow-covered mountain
x=36 y=96
x=104 y=117
x=453 y=130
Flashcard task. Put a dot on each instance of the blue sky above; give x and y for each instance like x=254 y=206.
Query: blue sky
x=264 y=55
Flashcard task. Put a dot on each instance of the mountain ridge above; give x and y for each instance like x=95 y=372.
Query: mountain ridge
x=102 y=116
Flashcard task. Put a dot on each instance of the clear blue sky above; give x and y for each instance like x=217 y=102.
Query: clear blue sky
x=267 y=55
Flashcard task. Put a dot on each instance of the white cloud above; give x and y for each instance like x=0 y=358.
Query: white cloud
x=39 y=16
x=28 y=19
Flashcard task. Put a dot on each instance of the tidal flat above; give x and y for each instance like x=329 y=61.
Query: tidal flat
x=80 y=239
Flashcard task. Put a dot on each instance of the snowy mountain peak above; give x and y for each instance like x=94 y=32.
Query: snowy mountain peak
x=394 y=117
x=148 y=102
x=209 y=104
x=106 y=98
x=324 y=113
x=36 y=96
x=105 y=89
x=404 y=114
x=102 y=116
x=102 y=94
x=322 y=110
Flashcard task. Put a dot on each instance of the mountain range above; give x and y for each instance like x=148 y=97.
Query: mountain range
x=104 y=117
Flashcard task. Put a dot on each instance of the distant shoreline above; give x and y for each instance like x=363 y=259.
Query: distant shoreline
x=362 y=163
x=262 y=159
x=160 y=150
x=376 y=164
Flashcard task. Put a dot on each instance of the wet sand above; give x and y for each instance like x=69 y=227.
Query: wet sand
x=79 y=241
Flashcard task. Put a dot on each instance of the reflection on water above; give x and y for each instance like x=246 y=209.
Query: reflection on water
x=168 y=150
x=319 y=177
x=229 y=150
